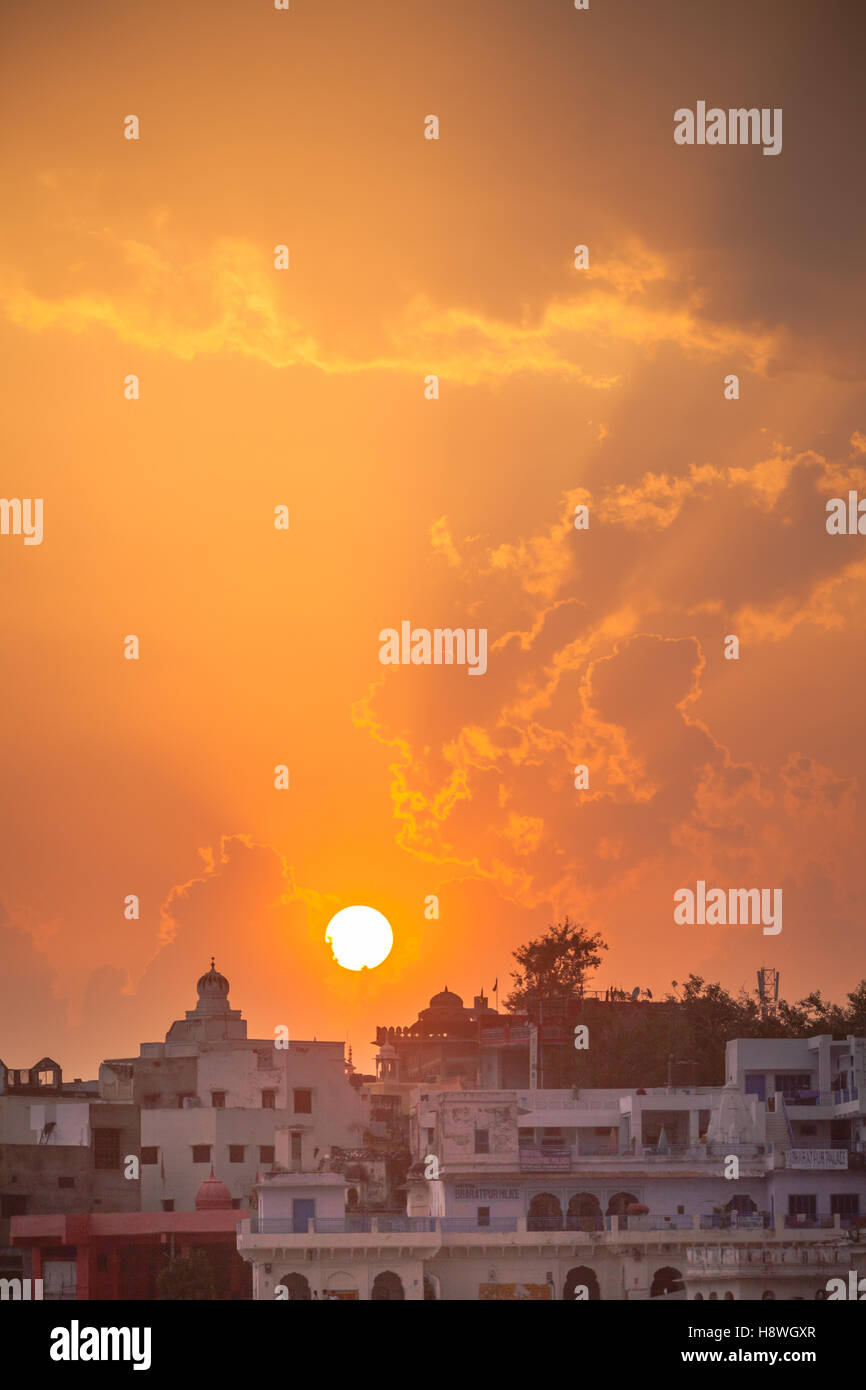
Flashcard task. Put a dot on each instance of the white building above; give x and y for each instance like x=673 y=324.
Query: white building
x=211 y=1096
x=685 y=1192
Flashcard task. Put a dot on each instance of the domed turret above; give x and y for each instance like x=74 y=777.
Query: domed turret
x=446 y=999
x=213 y=984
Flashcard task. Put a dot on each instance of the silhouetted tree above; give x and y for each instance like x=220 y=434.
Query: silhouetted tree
x=556 y=963
x=187 y=1277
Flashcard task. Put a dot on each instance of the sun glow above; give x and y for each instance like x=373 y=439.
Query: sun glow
x=359 y=937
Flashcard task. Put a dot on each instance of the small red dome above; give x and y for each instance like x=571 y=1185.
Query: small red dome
x=213 y=1195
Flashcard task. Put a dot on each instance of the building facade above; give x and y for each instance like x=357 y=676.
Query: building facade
x=209 y=1095
x=651 y=1193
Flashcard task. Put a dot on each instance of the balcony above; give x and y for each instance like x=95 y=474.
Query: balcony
x=340 y=1225
x=460 y=1225
x=413 y=1224
x=548 y=1158
x=801 y=1222
x=736 y=1221
x=565 y=1158
x=842 y=1096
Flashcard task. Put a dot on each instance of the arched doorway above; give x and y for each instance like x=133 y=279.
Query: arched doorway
x=584 y=1213
x=297 y=1286
x=666 y=1281
x=387 y=1285
x=545 y=1213
x=581 y=1275
x=341 y=1285
x=619 y=1204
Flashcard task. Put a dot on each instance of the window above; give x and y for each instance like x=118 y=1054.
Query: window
x=845 y=1204
x=269 y=1100
x=201 y=1153
x=236 y=1153
x=65 y=1182
x=106 y=1148
x=789 y=1083
x=802 y=1204
x=23 y=1078
x=681 y=1211
x=45 y=1078
x=296 y=1147
x=218 y=1099
x=150 y=1154
x=303 y=1102
x=808 y=1131
x=236 y=1203
x=266 y=1153
x=102 y=1262
x=182 y=1096
x=12 y=1204
x=431 y=1137
x=167 y=1204
x=151 y=1099
x=482 y=1141
x=483 y=1216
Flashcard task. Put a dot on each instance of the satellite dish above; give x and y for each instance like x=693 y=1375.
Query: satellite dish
x=635 y=992
x=649 y=994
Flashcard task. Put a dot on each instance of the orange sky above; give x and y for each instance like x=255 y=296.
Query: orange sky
x=305 y=387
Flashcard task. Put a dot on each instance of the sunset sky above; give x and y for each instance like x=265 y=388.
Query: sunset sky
x=305 y=387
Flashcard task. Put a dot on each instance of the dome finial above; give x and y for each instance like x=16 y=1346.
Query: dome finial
x=212 y=965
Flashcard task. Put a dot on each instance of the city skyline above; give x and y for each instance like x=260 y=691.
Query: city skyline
x=583 y=487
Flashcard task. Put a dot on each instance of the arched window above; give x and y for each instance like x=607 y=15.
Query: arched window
x=545 y=1213
x=618 y=1206
x=584 y=1213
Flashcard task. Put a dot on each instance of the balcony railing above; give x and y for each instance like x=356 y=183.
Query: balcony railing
x=547 y=1158
x=841 y=1096
x=799 y=1222
x=416 y=1224
x=340 y=1225
x=562 y=1157
x=736 y=1221
x=463 y=1224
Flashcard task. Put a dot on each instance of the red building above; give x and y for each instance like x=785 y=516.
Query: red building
x=118 y=1255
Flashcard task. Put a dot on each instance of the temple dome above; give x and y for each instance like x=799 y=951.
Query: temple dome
x=213 y=1195
x=446 y=999
x=213 y=984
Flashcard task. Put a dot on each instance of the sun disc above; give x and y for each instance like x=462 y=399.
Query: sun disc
x=360 y=937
